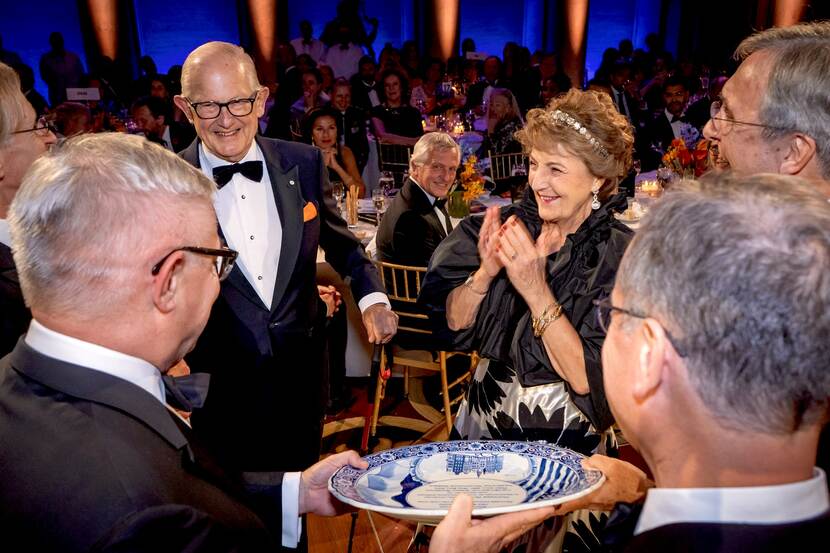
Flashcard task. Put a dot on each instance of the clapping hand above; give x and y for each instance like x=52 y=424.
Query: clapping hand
x=522 y=258
x=331 y=297
x=488 y=241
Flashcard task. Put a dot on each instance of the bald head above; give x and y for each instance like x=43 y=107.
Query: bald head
x=216 y=57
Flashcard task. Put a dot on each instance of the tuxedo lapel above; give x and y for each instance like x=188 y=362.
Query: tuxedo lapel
x=8 y=271
x=97 y=387
x=236 y=278
x=289 y=199
x=420 y=203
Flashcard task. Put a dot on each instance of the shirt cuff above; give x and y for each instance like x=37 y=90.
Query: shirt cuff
x=372 y=299
x=292 y=524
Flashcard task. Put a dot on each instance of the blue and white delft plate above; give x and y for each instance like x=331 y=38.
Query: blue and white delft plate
x=419 y=482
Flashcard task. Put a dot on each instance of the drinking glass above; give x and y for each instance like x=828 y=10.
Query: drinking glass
x=386 y=182
x=338 y=191
x=379 y=201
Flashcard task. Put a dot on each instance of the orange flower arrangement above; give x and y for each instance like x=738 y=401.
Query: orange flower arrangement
x=471 y=181
x=683 y=161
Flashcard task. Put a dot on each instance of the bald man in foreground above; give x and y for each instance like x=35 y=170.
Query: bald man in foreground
x=263 y=343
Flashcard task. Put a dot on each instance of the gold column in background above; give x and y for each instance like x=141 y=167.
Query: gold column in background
x=788 y=12
x=573 y=42
x=443 y=26
x=264 y=27
x=104 y=19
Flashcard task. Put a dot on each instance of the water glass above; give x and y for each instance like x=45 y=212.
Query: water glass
x=379 y=201
x=338 y=192
x=386 y=182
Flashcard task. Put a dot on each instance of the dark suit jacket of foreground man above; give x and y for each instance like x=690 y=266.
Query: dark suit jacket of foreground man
x=14 y=315
x=410 y=229
x=265 y=407
x=91 y=462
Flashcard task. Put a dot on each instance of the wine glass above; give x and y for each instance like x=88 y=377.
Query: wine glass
x=386 y=182
x=338 y=191
x=379 y=201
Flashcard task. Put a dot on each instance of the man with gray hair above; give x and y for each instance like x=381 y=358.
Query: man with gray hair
x=772 y=115
x=716 y=371
x=417 y=218
x=263 y=344
x=119 y=260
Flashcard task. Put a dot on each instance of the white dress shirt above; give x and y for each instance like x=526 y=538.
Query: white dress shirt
x=676 y=126
x=167 y=142
x=780 y=504
x=147 y=377
x=5 y=233
x=247 y=213
x=315 y=48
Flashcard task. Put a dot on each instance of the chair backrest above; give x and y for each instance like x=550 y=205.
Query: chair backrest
x=403 y=284
x=502 y=165
x=394 y=158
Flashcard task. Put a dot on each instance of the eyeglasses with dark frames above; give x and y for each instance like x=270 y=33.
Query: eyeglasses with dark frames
x=239 y=107
x=224 y=259
x=717 y=122
x=605 y=308
x=42 y=128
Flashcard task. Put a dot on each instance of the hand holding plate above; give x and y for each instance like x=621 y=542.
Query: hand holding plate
x=314 y=494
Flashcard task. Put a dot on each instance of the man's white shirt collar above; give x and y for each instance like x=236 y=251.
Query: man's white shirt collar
x=92 y=356
x=5 y=233
x=780 y=504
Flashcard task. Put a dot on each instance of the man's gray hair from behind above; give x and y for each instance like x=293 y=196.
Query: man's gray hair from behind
x=428 y=144
x=737 y=269
x=798 y=92
x=90 y=210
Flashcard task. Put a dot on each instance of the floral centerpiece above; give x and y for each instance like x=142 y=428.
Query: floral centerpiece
x=689 y=162
x=470 y=186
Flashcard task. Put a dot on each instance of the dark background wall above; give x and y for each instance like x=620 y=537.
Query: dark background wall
x=168 y=29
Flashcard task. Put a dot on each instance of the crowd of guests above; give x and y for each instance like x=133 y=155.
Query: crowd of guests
x=702 y=336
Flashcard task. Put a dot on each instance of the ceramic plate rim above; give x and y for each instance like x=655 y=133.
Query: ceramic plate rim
x=412 y=513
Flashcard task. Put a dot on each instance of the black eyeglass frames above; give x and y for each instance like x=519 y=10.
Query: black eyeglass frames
x=224 y=259
x=239 y=107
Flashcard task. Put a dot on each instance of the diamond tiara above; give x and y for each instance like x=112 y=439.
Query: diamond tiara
x=569 y=120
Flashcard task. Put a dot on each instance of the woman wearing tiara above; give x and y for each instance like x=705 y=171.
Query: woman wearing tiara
x=518 y=284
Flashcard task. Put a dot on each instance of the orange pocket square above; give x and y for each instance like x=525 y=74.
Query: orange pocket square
x=309 y=212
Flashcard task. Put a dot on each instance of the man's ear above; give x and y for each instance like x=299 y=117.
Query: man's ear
x=652 y=362
x=259 y=103
x=183 y=105
x=167 y=282
x=800 y=151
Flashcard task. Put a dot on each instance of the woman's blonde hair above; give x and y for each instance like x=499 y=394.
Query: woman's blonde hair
x=588 y=125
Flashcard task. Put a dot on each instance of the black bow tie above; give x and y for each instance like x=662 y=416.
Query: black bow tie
x=675 y=118
x=186 y=392
x=440 y=203
x=250 y=169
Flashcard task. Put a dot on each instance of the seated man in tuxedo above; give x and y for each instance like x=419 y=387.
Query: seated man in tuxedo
x=716 y=371
x=655 y=138
x=152 y=115
x=263 y=344
x=119 y=259
x=417 y=219
x=353 y=122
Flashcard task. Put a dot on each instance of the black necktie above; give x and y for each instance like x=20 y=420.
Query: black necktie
x=186 y=392
x=441 y=204
x=250 y=169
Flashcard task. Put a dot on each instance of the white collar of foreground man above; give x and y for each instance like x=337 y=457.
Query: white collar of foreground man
x=92 y=356
x=779 y=504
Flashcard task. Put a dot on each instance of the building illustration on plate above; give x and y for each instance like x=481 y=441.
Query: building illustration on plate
x=481 y=462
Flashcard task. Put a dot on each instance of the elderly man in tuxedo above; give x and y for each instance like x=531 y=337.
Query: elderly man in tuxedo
x=716 y=371
x=263 y=341
x=116 y=245
x=417 y=219
x=23 y=137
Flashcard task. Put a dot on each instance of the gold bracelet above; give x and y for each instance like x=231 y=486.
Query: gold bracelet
x=543 y=321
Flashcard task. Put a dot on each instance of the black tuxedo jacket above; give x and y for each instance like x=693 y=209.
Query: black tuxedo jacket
x=181 y=135
x=91 y=462
x=808 y=535
x=265 y=408
x=653 y=140
x=410 y=229
x=14 y=315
